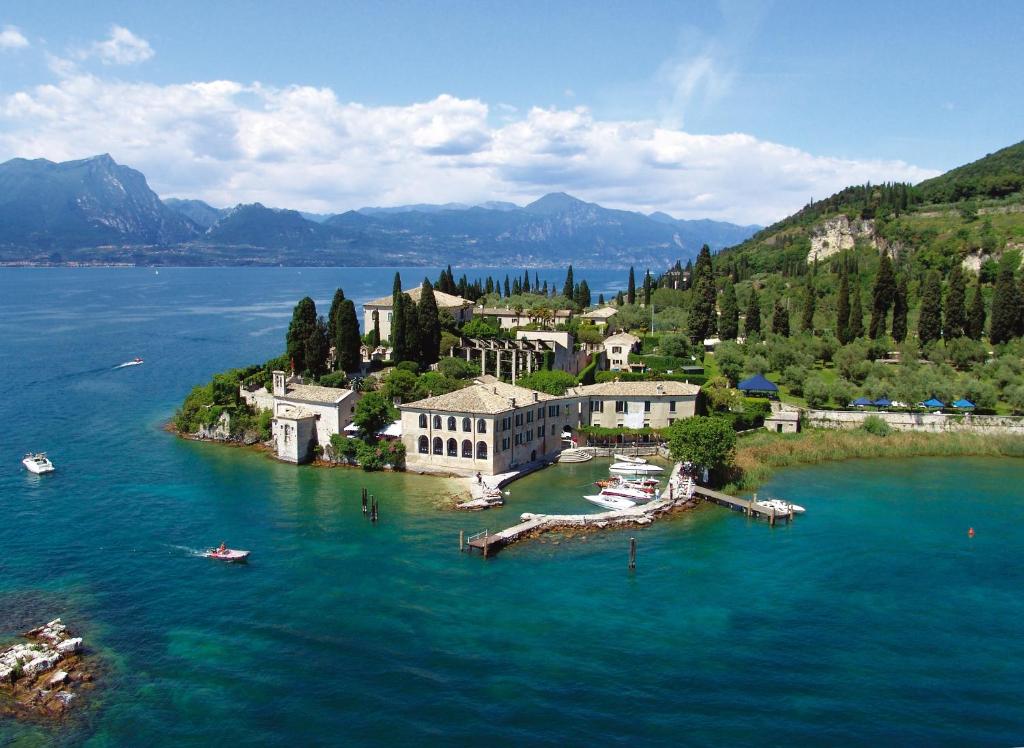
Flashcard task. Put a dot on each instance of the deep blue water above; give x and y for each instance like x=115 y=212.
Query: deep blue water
x=872 y=620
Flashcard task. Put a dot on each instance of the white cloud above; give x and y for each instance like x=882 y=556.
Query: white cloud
x=12 y=38
x=122 y=47
x=301 y=147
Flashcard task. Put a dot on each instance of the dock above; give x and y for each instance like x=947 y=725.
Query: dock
x=750 y=507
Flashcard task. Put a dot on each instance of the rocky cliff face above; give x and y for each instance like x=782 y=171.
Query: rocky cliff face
x=838 y=235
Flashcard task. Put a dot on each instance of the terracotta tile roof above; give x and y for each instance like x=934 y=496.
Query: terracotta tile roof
x=623 y=338
x=444 y=300
x=314 y=393
x=603 y=313
x=637 y=389
x=486 y=395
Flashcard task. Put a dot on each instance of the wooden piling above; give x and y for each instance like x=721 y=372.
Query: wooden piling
x=462 y=543
x=486 y=535
x=364 y=501
x=632 y=553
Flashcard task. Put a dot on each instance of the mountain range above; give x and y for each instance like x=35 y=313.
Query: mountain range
x=97 y=211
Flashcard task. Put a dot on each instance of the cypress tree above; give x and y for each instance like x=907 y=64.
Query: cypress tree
x=703 y=322
x=508 y=290
x=899 y=311
x=882 y=297
x=569 y=286
x=346 y=338
x=780 y=319
x=526 y=281
x=647 y=288
x=752 y=326
x=429 y=324
x=517 y=287
x=729 y=320
x=856 y=312
x=582 y=294
x=332 y=315
x=631 y=288
x=536 y=283
x=317 y=348
x=929 y=324
x=619 y=299
x=976 y=316
x=600 y=299
x=956 y=304
x=375 y=339
x=301 y=328
x=396 y=286
x=1005 y=302
x=810 y=300
x=843 y=309
x=413 y=339
x=399 y=339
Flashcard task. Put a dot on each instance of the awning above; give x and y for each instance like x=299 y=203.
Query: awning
x=883 y=402
x=963 y=404
x=862 y=402
x=933 y=403
x=757 y=383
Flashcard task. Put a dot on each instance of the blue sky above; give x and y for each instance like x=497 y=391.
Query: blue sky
x=741 y=111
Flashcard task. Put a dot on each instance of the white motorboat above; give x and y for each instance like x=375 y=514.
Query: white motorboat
x=38 y=463
x=628 y=468
x=631 y=460
x=632 y=493
x=134 y=362
x=781 y=507
x=610 y=502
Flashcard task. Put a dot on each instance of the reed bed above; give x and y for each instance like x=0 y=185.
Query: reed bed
x=759 y=455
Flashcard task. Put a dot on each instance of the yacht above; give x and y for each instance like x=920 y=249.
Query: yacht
x=610 y=502
x=38 y=463
x=629 y=468
x=781 y=507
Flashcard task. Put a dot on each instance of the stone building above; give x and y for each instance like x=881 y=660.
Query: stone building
x=636 y=404
x=601 y=316
x=617 y=349
x=381 y=309
x=306 y=415
x=489 y=427
x=508 y=317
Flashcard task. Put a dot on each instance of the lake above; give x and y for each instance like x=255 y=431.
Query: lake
x=872 y=619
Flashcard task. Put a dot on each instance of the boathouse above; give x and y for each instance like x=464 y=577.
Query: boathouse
x=306 y=415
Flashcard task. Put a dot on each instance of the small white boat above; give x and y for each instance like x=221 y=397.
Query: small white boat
x=781 y=507
x=629 y=468
x=231 y=555
x=134 y=362
x=38 y=463
x=631 y=460
x=610 y=502
x=629 y=492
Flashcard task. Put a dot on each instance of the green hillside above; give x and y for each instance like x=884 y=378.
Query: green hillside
x=993 y=177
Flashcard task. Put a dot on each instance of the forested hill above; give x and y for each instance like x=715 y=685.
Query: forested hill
x=940 y=215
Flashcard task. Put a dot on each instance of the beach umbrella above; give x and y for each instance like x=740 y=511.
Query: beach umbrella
x=933 y=403
x=963 y=404
x=862 y=402
x=883 y=402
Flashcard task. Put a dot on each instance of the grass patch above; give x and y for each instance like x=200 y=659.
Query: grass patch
x=759 y=455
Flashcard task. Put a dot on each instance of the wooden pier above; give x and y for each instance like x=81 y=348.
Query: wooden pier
x=750 y=507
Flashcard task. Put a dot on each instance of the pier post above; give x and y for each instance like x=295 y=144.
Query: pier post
x=486 y=542
x=364 y=501
x=461 y=542
x=632 y=553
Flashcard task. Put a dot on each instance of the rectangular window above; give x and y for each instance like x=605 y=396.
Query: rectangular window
x=506 y=423
x=616 y=349
x=620 y=406
x=529 y=435
x=671 y=406
x=529 y=417
x=519 y=419
x=647 y=406
x=647 y=424
x=504 y=443
x=552 y=410
x=540 y=413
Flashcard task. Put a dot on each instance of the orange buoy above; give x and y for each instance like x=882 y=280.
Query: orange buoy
x=970 y=532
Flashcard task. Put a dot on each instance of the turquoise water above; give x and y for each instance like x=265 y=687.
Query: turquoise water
x=873 y=619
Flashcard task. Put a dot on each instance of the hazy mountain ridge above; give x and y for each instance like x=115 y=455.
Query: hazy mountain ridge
x=95 y=210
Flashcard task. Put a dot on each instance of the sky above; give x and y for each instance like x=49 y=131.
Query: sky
x=735 y=111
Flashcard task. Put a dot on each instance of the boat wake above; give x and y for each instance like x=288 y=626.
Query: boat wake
x=197 y=552
x=136 y=362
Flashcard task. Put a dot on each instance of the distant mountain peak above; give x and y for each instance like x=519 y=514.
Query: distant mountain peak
x=555 y=202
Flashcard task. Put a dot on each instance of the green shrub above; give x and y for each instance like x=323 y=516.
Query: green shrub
x=877 y=426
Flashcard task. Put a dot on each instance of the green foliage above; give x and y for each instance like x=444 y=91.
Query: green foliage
x=429 y=324
x=334 y=379
x=631 y=288
x=703 y=322
x=856 y=311
x=677 y=346
x=996 y=175
x=1006 y=302
x=346 y=339
x=975 y=327
x=400 y=385
x=457 y=368
x=882 y=297
x=306 y=339
x=843 y=309
x=780 y=319
x=730 y=359
x=434 y=383
x=729 y=320
x=929 y=325
x=876 y=425
x=704 y=441
x=956 y=305
x=899 y=311
x=752 y=324
x=816 y=391
x=483 y=328
x=373 y=412
x=344 y=449
x=552 y=382
x=447 y=342
x=589 y=372
x=719 y=395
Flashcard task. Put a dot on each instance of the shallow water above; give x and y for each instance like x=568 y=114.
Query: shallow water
x=872 y=619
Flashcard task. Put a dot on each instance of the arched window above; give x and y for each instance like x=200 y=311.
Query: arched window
x=467 y=425
x=481 y=450
x=467 y=449
x=438 y=446
x=481 y=426
x=423 y=420
x=451 y=423
x=437 y=422
x=424 y=445
x=453 y=448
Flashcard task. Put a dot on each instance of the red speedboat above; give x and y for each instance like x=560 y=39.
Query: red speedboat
x=227 y=554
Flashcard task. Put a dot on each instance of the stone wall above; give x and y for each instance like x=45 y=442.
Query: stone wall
x=933 y=422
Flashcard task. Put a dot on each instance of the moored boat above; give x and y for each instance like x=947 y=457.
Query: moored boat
x=629 y=492
x=38 y=463
x=628 y=468
x=781 y=507
x=610 y=502
x=631 y=460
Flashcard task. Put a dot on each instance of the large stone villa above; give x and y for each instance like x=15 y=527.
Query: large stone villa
x=381 y=309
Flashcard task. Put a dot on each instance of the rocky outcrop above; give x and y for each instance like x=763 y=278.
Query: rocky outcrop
x=839 y=234
x=29 y=676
